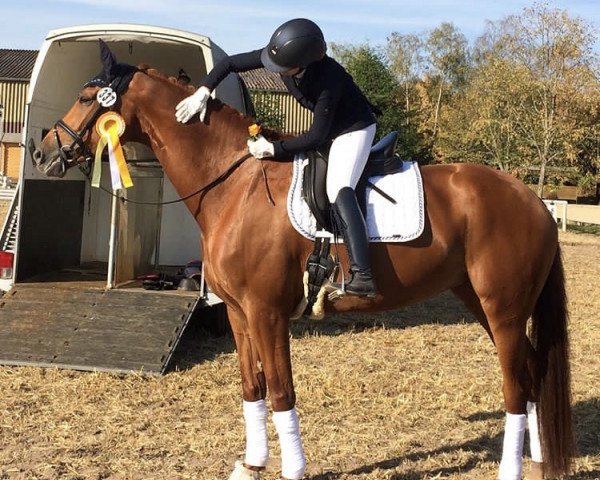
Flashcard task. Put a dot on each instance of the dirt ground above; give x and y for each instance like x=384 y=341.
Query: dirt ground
x=414 y=394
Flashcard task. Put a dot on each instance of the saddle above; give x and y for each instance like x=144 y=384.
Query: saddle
x=381 y=161
x=320 y=265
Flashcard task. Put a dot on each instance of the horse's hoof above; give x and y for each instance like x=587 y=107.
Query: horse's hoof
x=536 y=472
x=240 y=472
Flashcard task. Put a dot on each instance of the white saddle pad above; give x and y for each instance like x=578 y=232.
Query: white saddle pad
x=386 y=222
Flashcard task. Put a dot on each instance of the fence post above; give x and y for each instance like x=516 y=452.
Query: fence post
x=552 y=207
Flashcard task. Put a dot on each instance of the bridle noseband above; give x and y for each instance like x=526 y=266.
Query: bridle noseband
x=66 y=152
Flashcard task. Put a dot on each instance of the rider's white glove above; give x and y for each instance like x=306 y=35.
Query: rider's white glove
x=193 y=104
x=261 y=147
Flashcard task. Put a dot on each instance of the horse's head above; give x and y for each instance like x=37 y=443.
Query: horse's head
x=73 y=138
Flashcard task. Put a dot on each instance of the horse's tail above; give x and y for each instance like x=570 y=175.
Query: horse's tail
x=551 y=341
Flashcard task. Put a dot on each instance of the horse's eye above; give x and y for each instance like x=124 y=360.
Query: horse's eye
x=84 y=100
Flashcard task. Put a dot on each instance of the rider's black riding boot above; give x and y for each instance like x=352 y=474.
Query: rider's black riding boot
x=350 y=220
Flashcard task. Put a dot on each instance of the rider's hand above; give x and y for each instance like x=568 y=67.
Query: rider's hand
x=193 y=104
x=261 y=147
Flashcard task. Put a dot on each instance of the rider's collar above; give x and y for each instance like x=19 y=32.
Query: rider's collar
x=300 y=74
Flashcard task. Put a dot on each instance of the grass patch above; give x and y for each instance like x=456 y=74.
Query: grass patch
x=588 y=228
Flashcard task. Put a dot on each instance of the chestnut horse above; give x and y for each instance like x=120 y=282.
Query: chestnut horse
x=488 y=239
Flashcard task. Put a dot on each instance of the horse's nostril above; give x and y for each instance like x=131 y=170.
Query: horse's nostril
x=38 y=156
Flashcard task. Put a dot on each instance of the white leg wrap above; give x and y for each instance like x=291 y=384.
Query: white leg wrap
x=534 y=433
x=257 y=442
x=512 y=451
x=293 y=461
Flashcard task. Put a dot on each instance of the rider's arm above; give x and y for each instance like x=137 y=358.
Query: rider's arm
x=241 y=62
x=318 y=133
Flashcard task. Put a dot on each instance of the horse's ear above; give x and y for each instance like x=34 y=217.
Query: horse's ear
x=108 y=58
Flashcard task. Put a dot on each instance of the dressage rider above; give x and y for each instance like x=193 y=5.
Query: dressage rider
x=341 y=113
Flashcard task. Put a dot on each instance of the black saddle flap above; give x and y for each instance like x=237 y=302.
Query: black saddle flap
x=313 y=187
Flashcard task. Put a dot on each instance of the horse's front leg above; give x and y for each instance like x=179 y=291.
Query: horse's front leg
x=269 y=331
x=254 y=390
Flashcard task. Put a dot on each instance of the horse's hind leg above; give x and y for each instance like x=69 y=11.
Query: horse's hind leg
x=468 y=296
x=517 y=360
x=511 y=344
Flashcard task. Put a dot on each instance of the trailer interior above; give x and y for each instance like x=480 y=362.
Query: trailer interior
x=81 y=254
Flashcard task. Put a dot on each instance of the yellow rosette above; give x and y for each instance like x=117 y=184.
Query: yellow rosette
x=110 y=126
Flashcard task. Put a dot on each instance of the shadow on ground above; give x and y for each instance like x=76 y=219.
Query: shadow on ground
x=208 y=333
x=486 y=449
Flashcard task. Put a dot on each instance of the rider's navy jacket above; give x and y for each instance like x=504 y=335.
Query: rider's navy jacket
x=325 y=88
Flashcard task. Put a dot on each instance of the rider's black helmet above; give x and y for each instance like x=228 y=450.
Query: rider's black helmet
x=296 y=43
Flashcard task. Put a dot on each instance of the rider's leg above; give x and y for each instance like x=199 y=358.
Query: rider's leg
x=347 y=159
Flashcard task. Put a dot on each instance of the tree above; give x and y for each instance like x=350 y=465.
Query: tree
x=481 y=122
x=555 y=53
x=406 y=56
x=373 y=75
x=448 y=64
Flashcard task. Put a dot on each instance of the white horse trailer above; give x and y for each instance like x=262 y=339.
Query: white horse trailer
x=72 y=255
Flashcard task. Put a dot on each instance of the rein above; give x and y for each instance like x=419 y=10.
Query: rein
x=204 y=189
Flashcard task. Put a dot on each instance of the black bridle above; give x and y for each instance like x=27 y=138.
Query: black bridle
x=69 y=159
x=67 y=152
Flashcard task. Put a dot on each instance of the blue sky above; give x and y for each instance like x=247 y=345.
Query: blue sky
x=238 y=25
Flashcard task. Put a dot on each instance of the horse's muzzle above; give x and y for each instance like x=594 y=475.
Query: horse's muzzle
x=50 y=166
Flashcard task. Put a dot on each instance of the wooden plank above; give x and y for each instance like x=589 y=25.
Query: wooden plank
x=89 y=329
x=48 y=295
x=87 y=366
x=150 y=297
x=45 y=297
x=25 y=312
x=565 y=192
x=47 y=348
x=132 y=341
x=152 y=328
x=17 y=330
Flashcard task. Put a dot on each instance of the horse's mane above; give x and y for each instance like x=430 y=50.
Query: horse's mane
x=152 y=72
x=218 y=105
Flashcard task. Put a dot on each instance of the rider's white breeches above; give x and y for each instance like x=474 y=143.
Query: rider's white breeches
x=347 y=159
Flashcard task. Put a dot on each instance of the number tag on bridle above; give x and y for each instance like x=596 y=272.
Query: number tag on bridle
x=106 y=97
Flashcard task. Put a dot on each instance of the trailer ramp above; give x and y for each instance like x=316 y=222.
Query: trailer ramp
x=89 y=328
